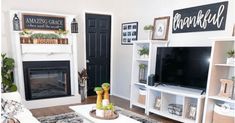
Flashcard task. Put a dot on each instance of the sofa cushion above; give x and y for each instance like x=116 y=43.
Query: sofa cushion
x=11 y=106
x=12 y=96
x=23 y=115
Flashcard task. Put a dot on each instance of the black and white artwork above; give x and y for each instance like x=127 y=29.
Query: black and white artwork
x=129 y=33
x=208 y=17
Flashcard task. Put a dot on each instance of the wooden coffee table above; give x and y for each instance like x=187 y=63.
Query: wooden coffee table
x=83 y=111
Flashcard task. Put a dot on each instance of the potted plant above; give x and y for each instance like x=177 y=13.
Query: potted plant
x=25 y=36
x=149 y=28
x=142 y=73
x=106 y=87
x=109 y=110
x=231 y=57
x=41 y=38
x=105 y=111
x=99 y=110
x=144 y=52
x=62 y=34
x=7 y=74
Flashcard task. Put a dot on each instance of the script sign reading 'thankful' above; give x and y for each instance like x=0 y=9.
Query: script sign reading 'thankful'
x=201 y=18
x=43 y=22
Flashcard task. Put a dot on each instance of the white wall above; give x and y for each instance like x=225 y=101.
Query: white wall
x=143 y=11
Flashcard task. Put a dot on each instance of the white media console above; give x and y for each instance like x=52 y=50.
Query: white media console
x=186 y=97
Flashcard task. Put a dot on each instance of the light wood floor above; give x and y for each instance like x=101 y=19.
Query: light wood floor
x=92 y=99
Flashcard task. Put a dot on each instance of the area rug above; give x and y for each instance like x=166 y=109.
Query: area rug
x=72 y=117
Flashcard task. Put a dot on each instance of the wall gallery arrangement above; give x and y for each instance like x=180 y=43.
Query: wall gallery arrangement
x=129 y=33
x=161 y=27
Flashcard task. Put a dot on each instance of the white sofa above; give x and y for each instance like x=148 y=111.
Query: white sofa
x=24 y=116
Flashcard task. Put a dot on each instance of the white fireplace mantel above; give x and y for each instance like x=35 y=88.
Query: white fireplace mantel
x=45 y=52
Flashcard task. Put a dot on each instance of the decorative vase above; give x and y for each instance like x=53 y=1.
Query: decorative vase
x=99 y=113
x=142 y=75
x=144 y=56
x=82 y=92
x=108 y=113
x=150 y=35
x=105 y=102
x=99 y=98
x=230 y=60
x=106 y=93
x=25 y=40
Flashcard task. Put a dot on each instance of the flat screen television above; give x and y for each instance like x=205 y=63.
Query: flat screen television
x=183 y=66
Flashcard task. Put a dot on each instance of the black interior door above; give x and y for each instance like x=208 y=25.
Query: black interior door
x=98 y=31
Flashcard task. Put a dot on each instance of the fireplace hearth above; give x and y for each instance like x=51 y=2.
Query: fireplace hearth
x=46 y=79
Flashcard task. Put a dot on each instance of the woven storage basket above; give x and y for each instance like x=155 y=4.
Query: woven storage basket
x=223 y=115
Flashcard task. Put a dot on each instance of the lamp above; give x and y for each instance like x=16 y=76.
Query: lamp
x=16 y=23
x=74 y=26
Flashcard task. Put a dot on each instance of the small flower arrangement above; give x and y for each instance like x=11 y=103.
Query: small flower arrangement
x=25 y=33
x=61 y=32
x=148 y=27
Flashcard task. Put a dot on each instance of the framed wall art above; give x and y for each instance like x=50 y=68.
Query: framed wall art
x=43 y=22
x=161 y=28
x=209 y=17
x=129 y=33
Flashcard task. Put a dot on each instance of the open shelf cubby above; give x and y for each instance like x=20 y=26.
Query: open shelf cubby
x=154 y=97
x=149 y=61
x=136 y=93
x=218 y=70
x=189 y=99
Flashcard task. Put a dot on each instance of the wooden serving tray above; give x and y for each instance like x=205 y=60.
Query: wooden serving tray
x=93 y=114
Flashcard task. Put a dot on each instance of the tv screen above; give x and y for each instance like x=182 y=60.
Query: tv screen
x=183 y=66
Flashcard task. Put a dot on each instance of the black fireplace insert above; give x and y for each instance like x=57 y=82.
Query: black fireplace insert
x=46 y=79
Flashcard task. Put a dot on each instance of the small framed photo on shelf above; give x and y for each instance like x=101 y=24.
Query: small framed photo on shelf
x=158 y=103
x=192 y=111
x=129 y=33
x=161 y=28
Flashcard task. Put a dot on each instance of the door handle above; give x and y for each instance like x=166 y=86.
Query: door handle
x=87 y=61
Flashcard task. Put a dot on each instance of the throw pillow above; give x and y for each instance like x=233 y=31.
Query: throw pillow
x=9 y=109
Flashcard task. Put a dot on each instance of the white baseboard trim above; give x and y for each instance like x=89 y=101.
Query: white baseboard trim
x=126 y=98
